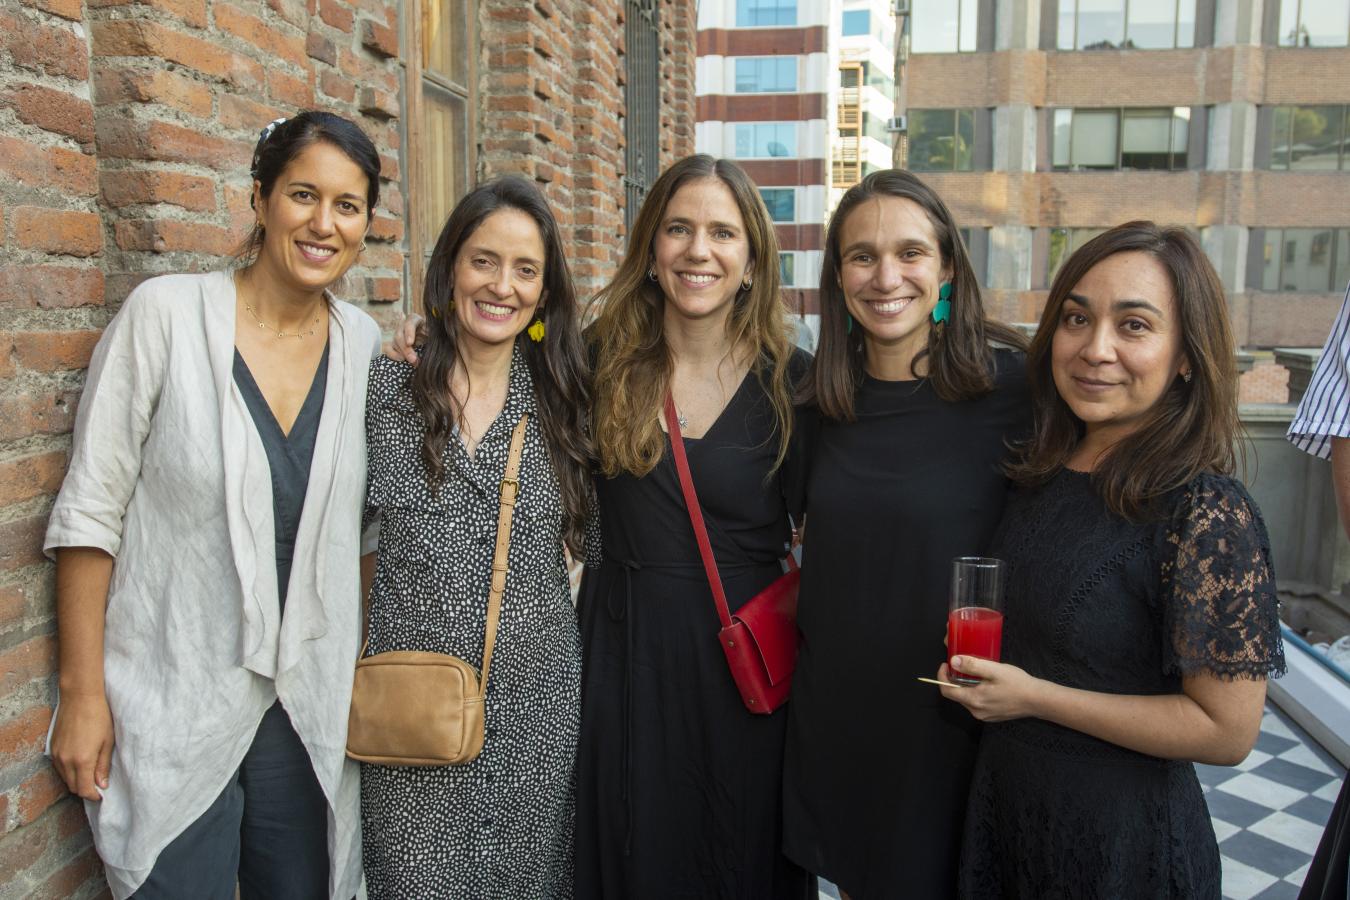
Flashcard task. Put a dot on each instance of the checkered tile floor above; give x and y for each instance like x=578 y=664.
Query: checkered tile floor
x=1268 y=812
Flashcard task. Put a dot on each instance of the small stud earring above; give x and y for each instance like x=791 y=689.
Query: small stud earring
x=1186 y=376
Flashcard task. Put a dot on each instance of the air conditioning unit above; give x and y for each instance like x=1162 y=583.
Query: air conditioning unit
x=897 y=124
x=900 y=8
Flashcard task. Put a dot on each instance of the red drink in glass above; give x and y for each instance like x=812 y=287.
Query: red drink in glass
x=973 y=631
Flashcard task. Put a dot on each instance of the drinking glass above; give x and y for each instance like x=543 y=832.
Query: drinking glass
x=975 y=612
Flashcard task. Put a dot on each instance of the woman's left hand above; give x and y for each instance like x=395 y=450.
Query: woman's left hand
x=1006 y=692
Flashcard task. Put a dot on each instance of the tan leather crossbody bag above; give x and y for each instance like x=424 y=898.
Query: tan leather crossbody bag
x=417 y=708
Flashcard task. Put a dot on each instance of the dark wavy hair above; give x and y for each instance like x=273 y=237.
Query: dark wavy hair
x=288 y=140
x=1192 y=429
x=960 y=358
x=634 y=364
x=557 y=363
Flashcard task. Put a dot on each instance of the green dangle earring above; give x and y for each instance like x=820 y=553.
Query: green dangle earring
x=942 y=312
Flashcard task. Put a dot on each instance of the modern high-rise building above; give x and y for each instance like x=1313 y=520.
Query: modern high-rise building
x=866 y=124
x=800 y=93
x=1043 y=122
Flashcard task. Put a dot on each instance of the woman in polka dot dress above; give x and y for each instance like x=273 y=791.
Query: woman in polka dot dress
x=502 y=825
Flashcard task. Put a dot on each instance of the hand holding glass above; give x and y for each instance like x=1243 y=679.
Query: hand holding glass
x=975 y=612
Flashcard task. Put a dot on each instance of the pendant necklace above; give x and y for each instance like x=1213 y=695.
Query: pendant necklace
x=282 y=334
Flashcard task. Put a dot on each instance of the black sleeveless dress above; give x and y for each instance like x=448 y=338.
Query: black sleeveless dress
x=877 y=764
x=1102 y=604
x=678 y=790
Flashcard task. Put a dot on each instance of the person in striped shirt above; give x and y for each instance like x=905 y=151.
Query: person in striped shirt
x=1322 y=424
x=1322 y=427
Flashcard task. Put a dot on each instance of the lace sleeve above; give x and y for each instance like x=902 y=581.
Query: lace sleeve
x=1220 y=608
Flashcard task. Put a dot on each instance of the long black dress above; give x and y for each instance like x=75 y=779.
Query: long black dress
x=1099 y=603
x=678 y=785
x=878 y=763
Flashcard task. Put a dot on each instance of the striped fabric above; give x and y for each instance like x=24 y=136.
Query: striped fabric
x=1325 y=410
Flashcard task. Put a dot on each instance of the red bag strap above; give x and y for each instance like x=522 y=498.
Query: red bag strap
x=696 y=512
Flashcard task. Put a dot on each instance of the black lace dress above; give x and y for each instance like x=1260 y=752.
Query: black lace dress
x=1101 y=604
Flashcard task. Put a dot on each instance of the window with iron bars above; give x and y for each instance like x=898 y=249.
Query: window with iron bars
x=642 y=122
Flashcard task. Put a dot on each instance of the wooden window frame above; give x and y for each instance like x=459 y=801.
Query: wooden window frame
x=415 y=162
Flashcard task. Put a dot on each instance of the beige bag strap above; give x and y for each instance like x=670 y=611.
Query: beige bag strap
x=508 y=492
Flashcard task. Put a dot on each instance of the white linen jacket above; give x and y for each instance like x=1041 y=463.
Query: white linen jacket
x=169 y=476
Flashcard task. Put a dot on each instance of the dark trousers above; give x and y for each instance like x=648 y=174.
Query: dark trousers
x=268 y=830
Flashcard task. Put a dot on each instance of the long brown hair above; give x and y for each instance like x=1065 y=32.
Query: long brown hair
x=557 y=363
x=634 y=363
x=1192 y=429
x=960 y=359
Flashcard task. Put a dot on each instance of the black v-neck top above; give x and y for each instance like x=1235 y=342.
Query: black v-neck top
x=288 y=456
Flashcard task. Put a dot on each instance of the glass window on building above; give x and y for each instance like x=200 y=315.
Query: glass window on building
x=943 y=26
x=1148 y=138
x=1314 y=23
x=1063 y=243
x=1308 y=260
x=941 y=140
x=1310 y=138
x=440 y=158
x=756 y=140
x=766 y=74
x=876 y=128
x=781 y=203
x=750 y=13
x=1132 y=24
x=856 y=22
x=879 y=78
x=787 y=268
x=1154 y=138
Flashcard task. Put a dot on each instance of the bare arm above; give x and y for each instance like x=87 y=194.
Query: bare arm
x=1212 y=721
x=1340 y=478
x=82 y=739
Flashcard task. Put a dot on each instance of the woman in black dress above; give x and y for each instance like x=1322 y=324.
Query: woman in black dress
x=678 y=785
x=1141 y=619
x=915 y=406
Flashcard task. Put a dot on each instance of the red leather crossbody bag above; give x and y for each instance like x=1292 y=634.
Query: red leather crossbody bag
x=760 y=641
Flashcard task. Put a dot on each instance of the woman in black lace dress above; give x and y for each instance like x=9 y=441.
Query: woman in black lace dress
x=1141 y=619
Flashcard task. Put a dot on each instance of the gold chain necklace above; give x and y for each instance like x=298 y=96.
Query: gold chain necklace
x=282 y=334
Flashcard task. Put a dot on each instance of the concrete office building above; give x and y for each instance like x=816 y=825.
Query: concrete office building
x=1043 y=122
x=801 y=93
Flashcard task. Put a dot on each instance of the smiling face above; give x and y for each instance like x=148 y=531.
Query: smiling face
x=1117 y=345
x=314 y=219
x=890 y=270
x=499 y=278
x=701 y=252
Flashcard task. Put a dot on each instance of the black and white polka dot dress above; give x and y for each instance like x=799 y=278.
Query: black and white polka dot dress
x=500 y=826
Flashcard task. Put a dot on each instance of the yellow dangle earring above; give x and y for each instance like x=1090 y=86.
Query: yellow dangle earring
x=536 y=331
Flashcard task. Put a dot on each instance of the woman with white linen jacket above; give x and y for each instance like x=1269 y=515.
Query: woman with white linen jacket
x=211 y=648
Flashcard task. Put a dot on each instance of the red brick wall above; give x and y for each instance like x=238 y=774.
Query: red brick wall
x=126 y=130
x=679 y=31
x=551 y=107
